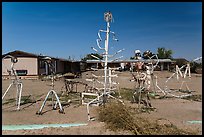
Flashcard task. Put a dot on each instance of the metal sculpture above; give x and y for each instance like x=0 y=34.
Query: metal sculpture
x=144 y=78
x=180 y=77
x=52 y=92
x=101 y=99
x=14 y=82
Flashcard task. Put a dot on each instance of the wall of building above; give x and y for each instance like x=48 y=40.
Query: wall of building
x=45 y=70
x=60 y=66
x=24 y=63
x=41 y=67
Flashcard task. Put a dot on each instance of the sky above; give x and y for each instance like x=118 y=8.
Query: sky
x=70 y=29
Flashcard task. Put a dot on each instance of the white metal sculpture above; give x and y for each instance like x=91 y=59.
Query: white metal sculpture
x=107 y=84
x=91 y=90
x=180 y=77
x=197 y=59
x=144 y=79
x=15 y=81
x=138 y=54
x=52 y=92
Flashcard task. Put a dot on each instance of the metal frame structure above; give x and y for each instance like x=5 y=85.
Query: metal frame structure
x=99 y=92
x=14 y=82
x=179 y=76
x=101 y=99
x=52 y=92
x=145 y=78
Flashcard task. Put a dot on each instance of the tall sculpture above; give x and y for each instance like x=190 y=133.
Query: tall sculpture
x=107 y=83
x=15 y=81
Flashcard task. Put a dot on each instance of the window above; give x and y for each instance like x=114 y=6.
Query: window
x=21 y=72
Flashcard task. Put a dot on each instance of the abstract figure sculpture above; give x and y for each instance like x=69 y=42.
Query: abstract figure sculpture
x=15 y=81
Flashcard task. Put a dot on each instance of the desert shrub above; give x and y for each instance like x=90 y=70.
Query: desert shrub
x=117 y=117
x=194 y=98
x=120 y=117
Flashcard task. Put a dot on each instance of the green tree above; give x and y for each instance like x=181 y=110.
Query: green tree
x=148 y=54
x=90 y=57
x=132 y=58
x=162 y=53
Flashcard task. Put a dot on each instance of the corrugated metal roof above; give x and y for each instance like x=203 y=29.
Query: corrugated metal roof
x=130 y=61
x=19 y=53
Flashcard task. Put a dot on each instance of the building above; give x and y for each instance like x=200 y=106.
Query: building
x=164 y=64
x=31 y=65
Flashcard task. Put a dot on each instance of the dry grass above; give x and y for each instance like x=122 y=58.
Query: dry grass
x=126 y=94
x=117 y=117
x=24 y=100
x=194 y=98
x=120 y=117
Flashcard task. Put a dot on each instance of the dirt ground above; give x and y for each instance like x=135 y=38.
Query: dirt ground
x=177 y=111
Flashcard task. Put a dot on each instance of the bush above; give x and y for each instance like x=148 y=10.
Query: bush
x=194 y=66
x=119 y=117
